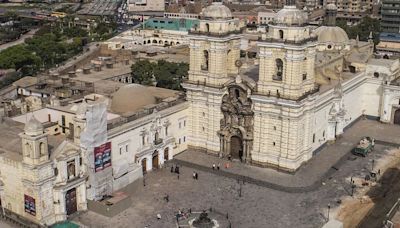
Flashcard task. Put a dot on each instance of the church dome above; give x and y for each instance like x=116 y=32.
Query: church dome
x=331 y=34
x=331 y=6
x=33 y=127
x=217 y=11
x=290 y=16
x=131 y=98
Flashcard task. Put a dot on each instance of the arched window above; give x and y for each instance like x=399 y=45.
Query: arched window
x=42 y=149
x=280 y=34
x=207 y=27
x=278 y=70
x=27 y=149
x=204 y=65
x=237 y=93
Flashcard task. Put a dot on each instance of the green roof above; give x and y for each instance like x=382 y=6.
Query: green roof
x=176 y=24
x=65 y=224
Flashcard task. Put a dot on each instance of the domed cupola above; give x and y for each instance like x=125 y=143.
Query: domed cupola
x=216 y=11
x=290 y=16
x=330 y=36
x=33 y=127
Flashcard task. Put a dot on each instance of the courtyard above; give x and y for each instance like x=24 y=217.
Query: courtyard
x=251 y=204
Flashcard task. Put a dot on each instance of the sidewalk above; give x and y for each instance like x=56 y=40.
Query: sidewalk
x=311 y=175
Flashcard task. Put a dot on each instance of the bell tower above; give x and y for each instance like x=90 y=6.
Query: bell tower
x=287 y=56
x=214 y=48
x=34 y=143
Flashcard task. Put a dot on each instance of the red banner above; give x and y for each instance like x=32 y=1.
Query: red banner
x=102 y=157
x=30 y=206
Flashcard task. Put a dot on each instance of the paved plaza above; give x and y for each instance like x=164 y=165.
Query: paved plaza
x=258 y=206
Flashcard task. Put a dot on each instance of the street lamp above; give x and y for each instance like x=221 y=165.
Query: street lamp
x=329 y=208
x=373 y=161
x=352 y=187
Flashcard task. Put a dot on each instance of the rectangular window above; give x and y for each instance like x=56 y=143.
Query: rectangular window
x=184 y=138
x=126 y=148
x=184 y=123
x=313 y=138
x=143 y=140
x=179 y=141
x=180 y=125
x=120 y=150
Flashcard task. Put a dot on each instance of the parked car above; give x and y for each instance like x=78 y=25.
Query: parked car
x=365 y=146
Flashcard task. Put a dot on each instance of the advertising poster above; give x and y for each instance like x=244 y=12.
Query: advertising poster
x=30 y=207
x=102 y=157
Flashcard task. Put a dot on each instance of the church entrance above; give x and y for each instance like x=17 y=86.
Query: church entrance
x=166 y=155
x=396 y=118
x=155 y=160
x=236 y=147
x=70 y=201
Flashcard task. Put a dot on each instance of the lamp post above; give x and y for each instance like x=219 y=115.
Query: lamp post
x=352 y=187
x=373 y=162
x=329 y=208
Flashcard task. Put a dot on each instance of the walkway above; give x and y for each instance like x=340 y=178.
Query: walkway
x=19 y=41
x=311 y=175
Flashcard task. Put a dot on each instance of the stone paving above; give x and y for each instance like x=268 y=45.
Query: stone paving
x=310 y=175
x=258 y=207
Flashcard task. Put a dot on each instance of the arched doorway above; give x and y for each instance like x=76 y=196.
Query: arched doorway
x=166 y=154
x=71 y=201
x=155 y=160
x=144 y=166
x=396 y=117
x=236 y=147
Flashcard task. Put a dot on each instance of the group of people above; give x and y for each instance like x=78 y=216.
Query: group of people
x=175 y=170
x=182 y=214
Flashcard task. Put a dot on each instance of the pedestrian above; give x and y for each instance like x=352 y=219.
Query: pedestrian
x=194 y=175
x=178 y=176
x=229 y=157
x=197 y=176
x=190 y=210
x=166 y=197
x=172 y=168
x=219 y=164
x=177 y=169
x=213 y=166
x=158 y=216
x=379 y=171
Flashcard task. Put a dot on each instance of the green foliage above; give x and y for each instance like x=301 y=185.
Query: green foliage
x=142 y=72
x=166 y=74
x=17 y=57
x=47 y=48
x=362 y=29
x=169 y=75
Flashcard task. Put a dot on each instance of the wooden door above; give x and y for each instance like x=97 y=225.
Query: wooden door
x=396 y=119
x=70 y=201
x=144 y=165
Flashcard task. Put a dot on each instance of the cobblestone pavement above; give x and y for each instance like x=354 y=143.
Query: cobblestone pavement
x=258 y=207
x=310 y=175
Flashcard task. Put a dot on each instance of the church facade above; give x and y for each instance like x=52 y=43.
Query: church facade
x=309 y=85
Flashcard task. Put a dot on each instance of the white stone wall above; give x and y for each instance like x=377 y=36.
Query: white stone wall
x=127 y=145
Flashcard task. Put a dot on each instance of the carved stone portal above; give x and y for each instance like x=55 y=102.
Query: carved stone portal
x=236 y=132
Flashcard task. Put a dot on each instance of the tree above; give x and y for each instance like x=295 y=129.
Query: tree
x=17 y=57
x=166 y=74
x=362 y=29
x=142 y=72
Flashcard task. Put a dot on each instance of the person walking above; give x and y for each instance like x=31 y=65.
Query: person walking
x=172 y=168
x=213 y=166
x=197 y=176
x=219 y=164
x=194 y=175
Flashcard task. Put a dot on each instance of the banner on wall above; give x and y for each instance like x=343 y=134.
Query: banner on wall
x=102 y=157
x=30 y=206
